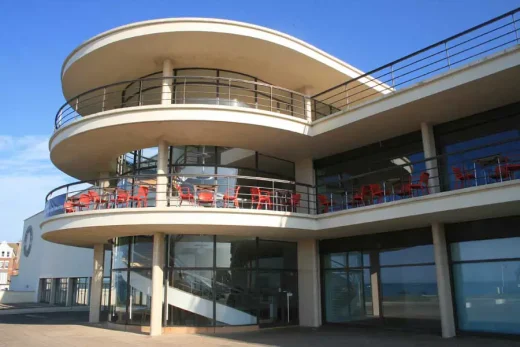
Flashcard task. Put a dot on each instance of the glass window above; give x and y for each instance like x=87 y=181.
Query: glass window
x=191 y=303
x=119 y=296
x=486 y=249
x=121 y=249
x=139 y=305
x=277 y=254
x=335 y=260
x=354 y=259
x=408 y=255
x=236 y=252
x=192 y=250
x=487 y=296
x=236 y=297
x=279 y=167
x=142 y=251
x=236 y=157
x=410 y=292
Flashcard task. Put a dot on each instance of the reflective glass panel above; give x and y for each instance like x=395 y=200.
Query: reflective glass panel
x=139 y=305
x=236 y=252
x=142 y=251
x=192 y=250
x=408 y=255
x=487 y=296
x=335 y=260
x=119 y=296
x=486 y=249
x=410 y=292
x=236 y=300
x=121 y=249
x=277 y=254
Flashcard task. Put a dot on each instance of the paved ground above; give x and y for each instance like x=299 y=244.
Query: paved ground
x=70 y=329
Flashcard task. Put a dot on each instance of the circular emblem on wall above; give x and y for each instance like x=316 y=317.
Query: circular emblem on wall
x=27 y=241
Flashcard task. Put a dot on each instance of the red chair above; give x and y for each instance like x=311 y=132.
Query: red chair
x=68 y=206
x=462 y=177
x=501 y=173
x=405 y=191
x=376 y=192
x=324 y=202
x=141 y=197
x=422 y=185
x=122 y=198
x=360 y=196
x=184 y=194
x=260 y=196
x=82 y=202
x=206 y=197
x=294 y=202
x=95 y=198
x=512 y=168
x=231 y=196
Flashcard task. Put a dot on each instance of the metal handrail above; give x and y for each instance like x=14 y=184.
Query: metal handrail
x=339 y=96
x=99 y=99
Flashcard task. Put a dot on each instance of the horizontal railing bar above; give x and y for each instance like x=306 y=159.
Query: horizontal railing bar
x=442 y=42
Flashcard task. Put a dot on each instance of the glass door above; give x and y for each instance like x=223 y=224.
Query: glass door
x=278 y=298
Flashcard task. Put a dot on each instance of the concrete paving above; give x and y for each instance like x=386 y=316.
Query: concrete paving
x=71 y=329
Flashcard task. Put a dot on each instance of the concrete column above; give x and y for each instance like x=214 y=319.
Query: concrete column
x=70 y=291
x=167 y=83
x=161 y=195
x=96 y=284
x=157 y=285
x=308 y=109
x=375 y=274
x=429 y=149
x=309 y=294
x=304 y=173
x=443 y=280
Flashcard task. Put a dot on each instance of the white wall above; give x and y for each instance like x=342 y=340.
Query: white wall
x=50 y=260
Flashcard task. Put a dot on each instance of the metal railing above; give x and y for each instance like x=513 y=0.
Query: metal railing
x=482 y=165
x=189 y=90
x=484 y=39
x=186 y=190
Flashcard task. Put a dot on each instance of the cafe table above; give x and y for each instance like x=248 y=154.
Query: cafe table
x=485 y=162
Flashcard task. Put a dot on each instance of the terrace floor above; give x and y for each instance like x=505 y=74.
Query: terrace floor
x=71 y=329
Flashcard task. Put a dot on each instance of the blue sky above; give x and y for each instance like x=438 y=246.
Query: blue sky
x=37 y=36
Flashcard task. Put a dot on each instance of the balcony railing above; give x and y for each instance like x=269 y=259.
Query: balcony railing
x=472 y=44
x=190 y=90
x=477 y=166
x=190 y=190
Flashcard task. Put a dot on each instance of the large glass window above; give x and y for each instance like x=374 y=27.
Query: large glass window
x=347 y=289
x=396 y=161
x=487 y=284
x=477 y=144
x=211 y=280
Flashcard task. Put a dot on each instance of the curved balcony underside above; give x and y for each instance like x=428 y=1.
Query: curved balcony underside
x=89 y=145
x=87 y=228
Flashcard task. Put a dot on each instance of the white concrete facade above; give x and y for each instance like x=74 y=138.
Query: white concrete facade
x=86 y=147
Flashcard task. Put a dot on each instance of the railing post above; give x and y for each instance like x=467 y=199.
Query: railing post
x=447 y=54
x=140 y=92
x=514 y=26
x=348 y=101
x=184 y=92
x=229 y=92
x=77 y=103
x=271 y=99
x=104 y=99
x=392 y=75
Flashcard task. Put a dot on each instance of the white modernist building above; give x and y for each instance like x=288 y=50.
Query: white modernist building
x=234 y=177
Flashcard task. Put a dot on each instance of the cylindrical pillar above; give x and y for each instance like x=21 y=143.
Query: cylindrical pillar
x=309 y=283
x=167 y=82
x=96 y=284
x=161 y=190
x=432 y=166
x=443 y=280
x=308 y=109
x=157 y=285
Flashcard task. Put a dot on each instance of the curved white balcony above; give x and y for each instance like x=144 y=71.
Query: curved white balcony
x=97 y=126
